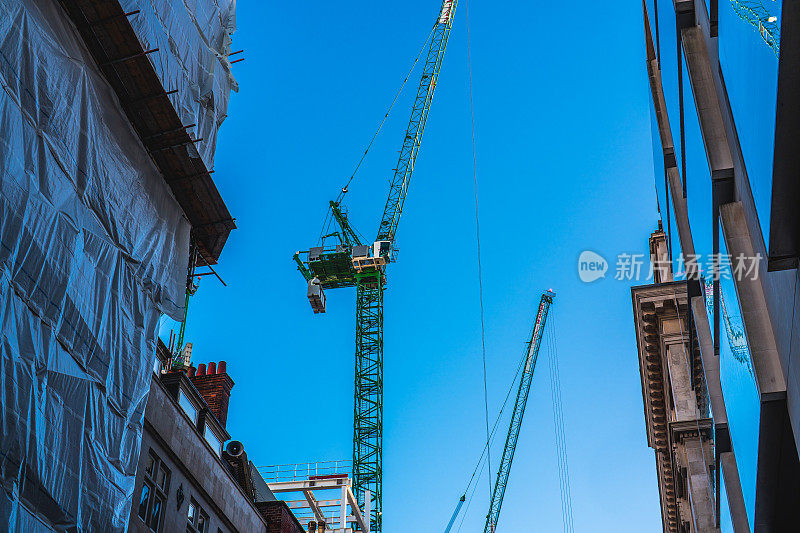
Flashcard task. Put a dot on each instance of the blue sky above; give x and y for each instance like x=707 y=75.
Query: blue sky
x=564 y=165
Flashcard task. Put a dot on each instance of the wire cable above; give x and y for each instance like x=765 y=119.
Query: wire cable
x=481 y=464
x=344 y=189
x=493 y=432
x=560 y=434
x=478 y=252
x=386 y=116
x=472 y=494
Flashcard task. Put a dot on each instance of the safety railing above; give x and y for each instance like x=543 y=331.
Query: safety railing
x=299 y=471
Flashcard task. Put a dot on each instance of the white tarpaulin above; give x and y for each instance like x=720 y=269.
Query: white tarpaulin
x=93 y=248
x=193 y=41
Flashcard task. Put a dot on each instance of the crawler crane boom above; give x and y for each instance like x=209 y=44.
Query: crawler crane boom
x=519 y=411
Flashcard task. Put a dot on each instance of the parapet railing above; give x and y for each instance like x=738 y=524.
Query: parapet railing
x=299 y=471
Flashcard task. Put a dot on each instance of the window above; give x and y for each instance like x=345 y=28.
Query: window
x=187 y=406
x=157 y=366
x=212 y=440
x=196 y=518
x=154 y=491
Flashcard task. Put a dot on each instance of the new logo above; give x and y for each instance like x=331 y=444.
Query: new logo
x=591 y=266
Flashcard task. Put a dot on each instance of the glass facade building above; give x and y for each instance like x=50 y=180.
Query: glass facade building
x=721 y=84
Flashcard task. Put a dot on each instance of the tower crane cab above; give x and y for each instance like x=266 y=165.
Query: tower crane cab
x=373 y=257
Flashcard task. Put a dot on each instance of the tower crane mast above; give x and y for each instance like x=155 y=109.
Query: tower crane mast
x=510 y=447
x=350 y=263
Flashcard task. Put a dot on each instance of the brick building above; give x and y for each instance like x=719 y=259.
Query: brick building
x=188 y=479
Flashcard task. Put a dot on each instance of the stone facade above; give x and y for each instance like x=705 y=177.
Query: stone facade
x=185 y=481
x=676 y=400
x=197 y=474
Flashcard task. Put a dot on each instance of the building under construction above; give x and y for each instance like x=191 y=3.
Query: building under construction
x=110 y=111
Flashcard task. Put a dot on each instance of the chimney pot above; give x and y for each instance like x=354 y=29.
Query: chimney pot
x=192 y=371
x=222 y=368
x=215 y=388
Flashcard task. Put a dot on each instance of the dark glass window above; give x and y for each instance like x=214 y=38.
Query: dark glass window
x=191 y=516
x=196 y=518
x=155 y=513
x=144 y=501
x=150 y=464
x=212 y=439
x=188 y=407
x=155 y=488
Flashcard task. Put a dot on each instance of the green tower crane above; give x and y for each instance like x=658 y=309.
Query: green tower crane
x=510 y=447
x=756 y=14
x=353 y=263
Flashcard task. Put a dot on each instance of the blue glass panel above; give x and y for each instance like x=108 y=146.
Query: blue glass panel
x=748 y=38
x=698 y=181
x=144 y=499
x=672 y=233
x=741 y=400
x=739 y=388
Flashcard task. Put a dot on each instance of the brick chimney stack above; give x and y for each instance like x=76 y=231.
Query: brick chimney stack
x=215 y=386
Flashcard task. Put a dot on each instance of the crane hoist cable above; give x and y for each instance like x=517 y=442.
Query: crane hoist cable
x=481 y=464
x=490 y=439
x=560 y=434
x=386 y=116
x=478 y=248
x=345 y=188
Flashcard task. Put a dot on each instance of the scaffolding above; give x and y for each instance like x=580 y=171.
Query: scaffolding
x=320 y=495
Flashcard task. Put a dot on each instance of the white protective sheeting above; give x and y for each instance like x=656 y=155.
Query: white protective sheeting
x=193 y=41
x=93 y=247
